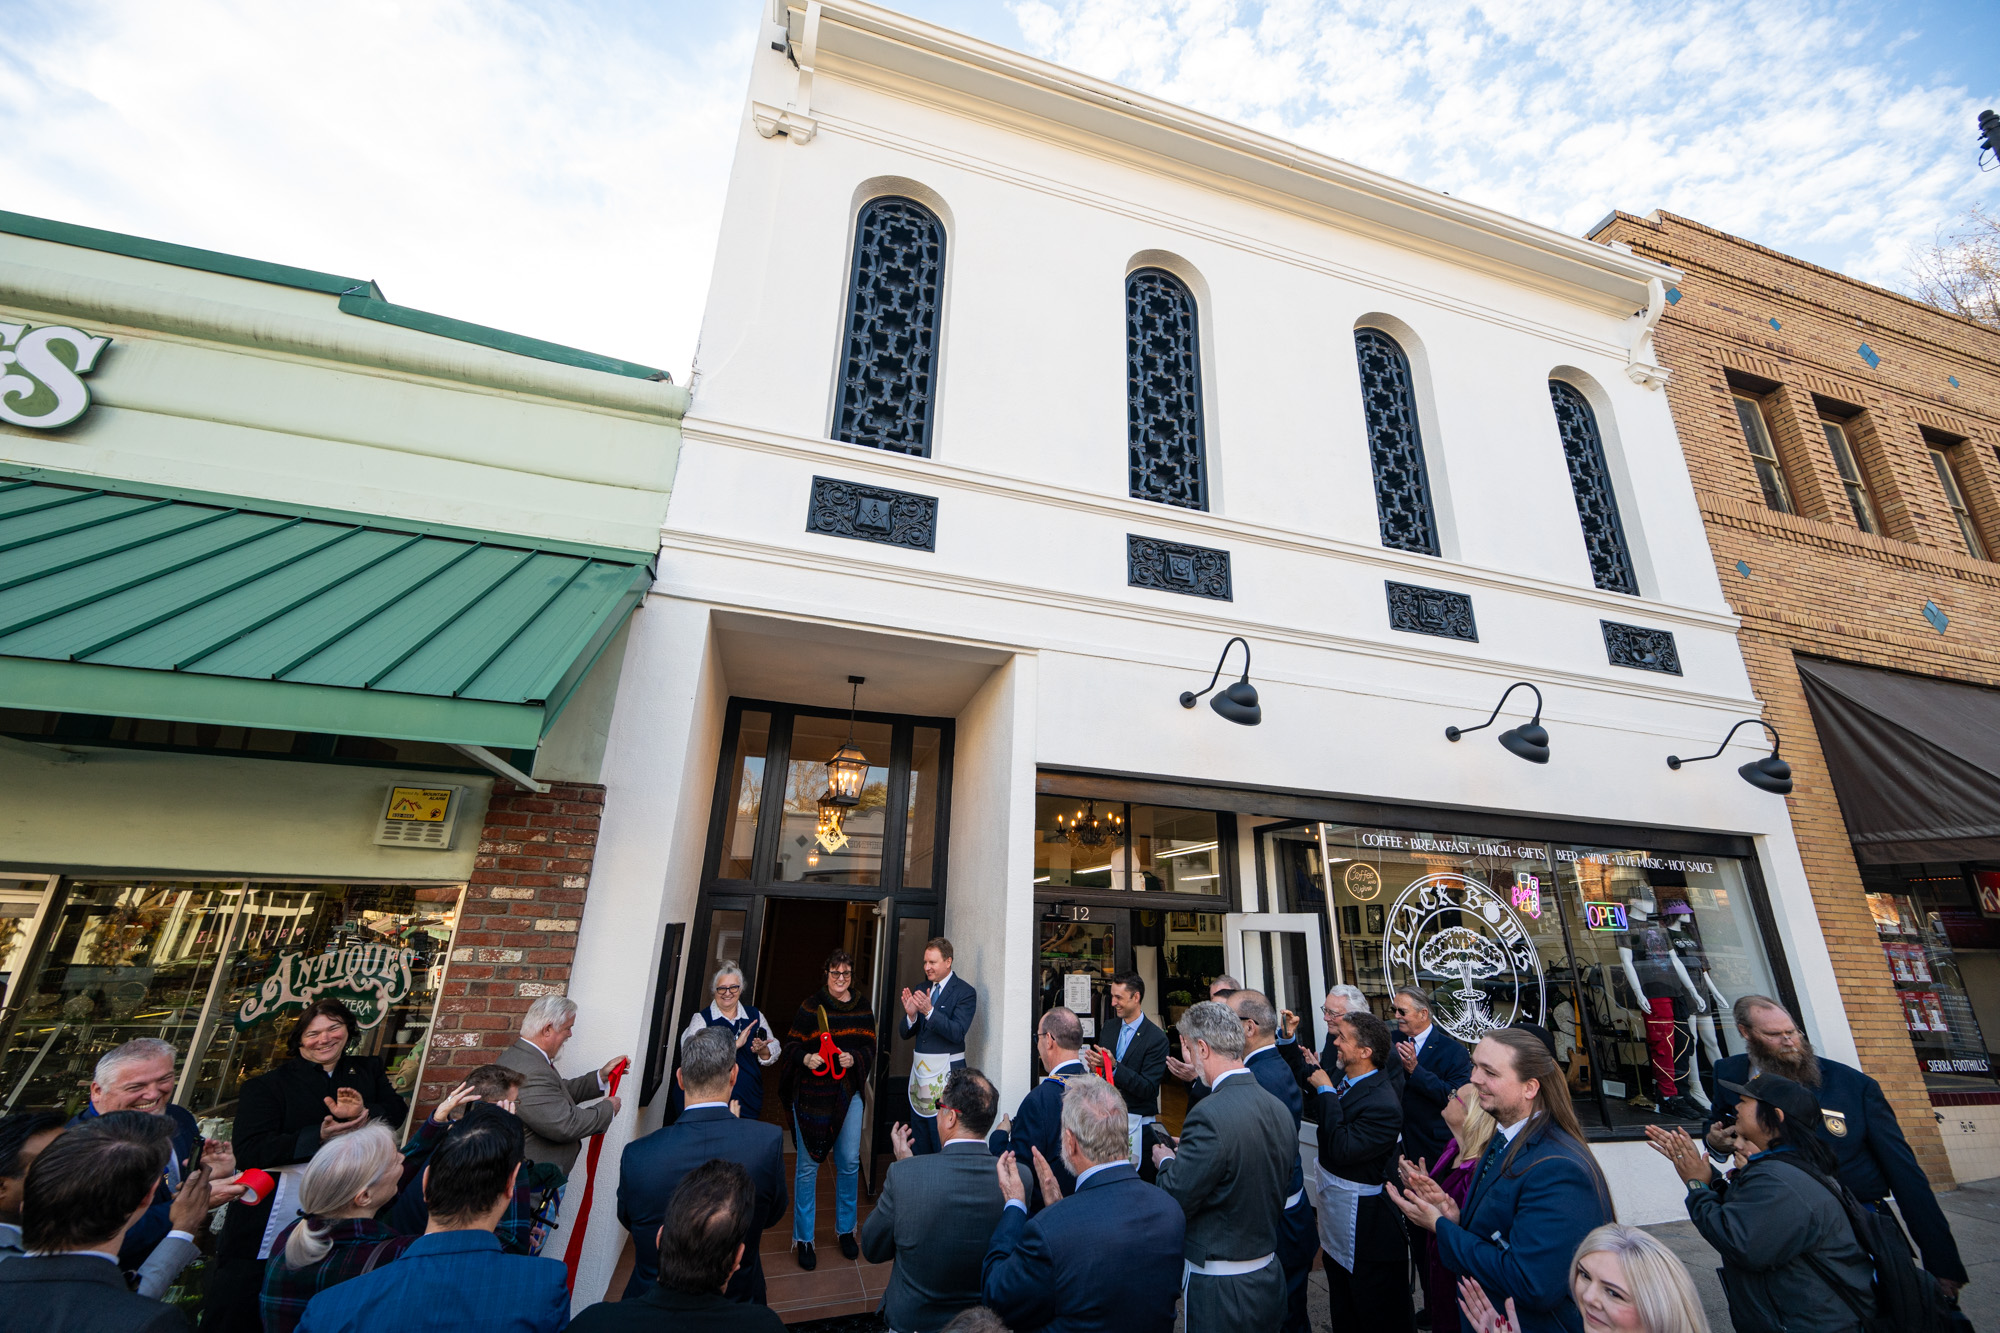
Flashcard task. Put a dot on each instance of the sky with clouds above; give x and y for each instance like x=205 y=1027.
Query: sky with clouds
x=557 y=167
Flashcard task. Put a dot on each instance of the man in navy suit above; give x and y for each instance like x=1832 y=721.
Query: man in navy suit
x=653 y=1166
x=1140 y=1049
x=938 y=1018
x=1106 y=1257
x=455 y=1276
x=1298 y=1239
x=1536 y=1194
x=1434 y=1066
x=1038 y=1124
x=1870 y=1154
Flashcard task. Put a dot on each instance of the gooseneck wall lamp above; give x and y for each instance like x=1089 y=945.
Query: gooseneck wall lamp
x=1530 y=740
x=1770 y=773
x=1236 y=702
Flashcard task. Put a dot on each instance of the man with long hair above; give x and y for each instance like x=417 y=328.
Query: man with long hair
x=1871 y=1157
x=1538 y=1191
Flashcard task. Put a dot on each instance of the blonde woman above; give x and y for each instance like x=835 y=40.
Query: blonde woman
x=1471 y=1130
x=338 y=1237
x=1622 y=1280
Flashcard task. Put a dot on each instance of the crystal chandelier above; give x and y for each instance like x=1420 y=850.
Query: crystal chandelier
x=1087 y=828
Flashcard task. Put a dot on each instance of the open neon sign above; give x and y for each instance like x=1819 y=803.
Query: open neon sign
x=1604 y=916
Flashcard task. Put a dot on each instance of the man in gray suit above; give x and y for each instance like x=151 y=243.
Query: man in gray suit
x=552 y=1107
x=937 y=1211
x=1229 y=1171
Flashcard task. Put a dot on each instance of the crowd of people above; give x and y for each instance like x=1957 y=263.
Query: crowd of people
x=1395 y=1160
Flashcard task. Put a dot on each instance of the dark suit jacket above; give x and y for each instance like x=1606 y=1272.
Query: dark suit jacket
x=277 y=1123
x=1330 y=1062
x=942 y=1031
x=1140 y=1073
x=1357 y=1142
x=1238 y=1153
x=151 y=1229
x=934 y=1220
x=1541 y=1205
x=1106 y=1258
x=77 y=1293
x=660 y=1311
x=444 y=1283
x=1872 y=1157
x=651 y=1169
x=1443 y=1067
x=1038 y=1124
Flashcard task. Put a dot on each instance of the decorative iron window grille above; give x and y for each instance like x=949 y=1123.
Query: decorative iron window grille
x=1163 y=391
x=1590 y=479
x=1395 y=444
x=889 y=370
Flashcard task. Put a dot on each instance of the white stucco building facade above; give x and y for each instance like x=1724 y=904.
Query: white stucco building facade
x=1025 y=616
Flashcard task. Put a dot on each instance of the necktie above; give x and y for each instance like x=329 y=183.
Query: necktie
x=1124 y=1040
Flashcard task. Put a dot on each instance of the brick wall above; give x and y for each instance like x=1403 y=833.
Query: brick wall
x=517 y=928
x=1817 y=584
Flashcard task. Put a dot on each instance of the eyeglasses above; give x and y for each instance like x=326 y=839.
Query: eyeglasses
x=841 y=972
x=727 y=990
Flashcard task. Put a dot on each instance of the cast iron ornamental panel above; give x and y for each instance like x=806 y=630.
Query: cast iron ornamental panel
x=1596 y=503
x=1198 y=571
x=1641 y=648
x=1438 y=611
x=1395 y=445
x=872 y=514
x=1163 y=391
x=890 y=365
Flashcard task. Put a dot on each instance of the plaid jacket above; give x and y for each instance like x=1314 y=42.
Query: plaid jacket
x=360 y=1245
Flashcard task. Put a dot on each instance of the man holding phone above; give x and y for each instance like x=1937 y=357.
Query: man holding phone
x=139 y=1076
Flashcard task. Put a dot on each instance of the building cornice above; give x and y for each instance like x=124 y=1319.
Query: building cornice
x=1187 y=524
x=827 y=34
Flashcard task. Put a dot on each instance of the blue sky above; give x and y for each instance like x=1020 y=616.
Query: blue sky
x=557 y=167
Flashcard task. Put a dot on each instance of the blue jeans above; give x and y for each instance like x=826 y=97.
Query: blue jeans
x=847 y=1187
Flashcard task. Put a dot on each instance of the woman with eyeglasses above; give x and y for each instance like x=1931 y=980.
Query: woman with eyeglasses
x=756 y=1044
x=829 y=1055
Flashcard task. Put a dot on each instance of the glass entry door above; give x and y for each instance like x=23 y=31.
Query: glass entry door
x=1078 y=949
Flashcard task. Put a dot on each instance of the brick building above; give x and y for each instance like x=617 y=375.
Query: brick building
x=1842 y=442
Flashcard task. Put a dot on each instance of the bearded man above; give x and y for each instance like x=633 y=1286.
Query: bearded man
x=1872 y=1158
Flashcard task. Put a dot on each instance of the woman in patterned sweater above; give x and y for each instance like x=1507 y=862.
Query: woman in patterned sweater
x=829 y=1055
x=338 y=1238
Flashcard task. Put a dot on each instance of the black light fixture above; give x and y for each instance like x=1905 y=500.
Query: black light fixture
x=1236 y=702
x=1530 y=740
x=1087 y=828
x=848 y=769
x=1770 y=773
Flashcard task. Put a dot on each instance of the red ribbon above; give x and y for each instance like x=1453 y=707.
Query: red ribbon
x=574 y=1255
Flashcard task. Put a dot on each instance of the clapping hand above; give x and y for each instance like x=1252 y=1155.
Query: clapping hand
x=909 y=998
x=1011 y=1188
x=1688 y=1161
x=743 y=1037
x=1183 y=1068
x=899 y=1141
x=1406 y=1051
x=1480 y=1316
x=345 y=1111
x=219 y=1155
x=1420 y=1185
x=1045 y=1175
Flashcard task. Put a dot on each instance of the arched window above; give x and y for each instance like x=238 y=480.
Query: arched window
x=1395 y=445
x=889 y=372
x=1596 y=502
x=1163 y=391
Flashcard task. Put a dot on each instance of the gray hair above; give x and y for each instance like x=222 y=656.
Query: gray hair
x=1421 y=996
x=728 y=969
x=708 y=1059
x=1254 y=1008
x=1216 y=1024
x=978 y=1319
x=339 y=1170
x=1094 y=1112
x=133 y=1051
x=1741 y=1011
x=1350 y=998
x=550 y=1011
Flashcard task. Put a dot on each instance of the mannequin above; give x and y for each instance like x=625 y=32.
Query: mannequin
x=1686 y=937
x=1658 y=978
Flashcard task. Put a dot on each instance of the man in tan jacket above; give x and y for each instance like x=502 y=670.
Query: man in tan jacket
x=552 y=1107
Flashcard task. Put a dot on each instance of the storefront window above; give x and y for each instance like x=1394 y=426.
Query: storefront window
x=1089 y=844
x=1942 y=947
x=847 y=850
x=220 y=970
x=920 y=829
x=1628 y=959
x=746 y=782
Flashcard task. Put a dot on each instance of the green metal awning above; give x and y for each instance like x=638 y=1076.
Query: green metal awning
x=128 y=600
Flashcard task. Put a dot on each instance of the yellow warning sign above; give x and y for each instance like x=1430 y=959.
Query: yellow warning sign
x=425 y=805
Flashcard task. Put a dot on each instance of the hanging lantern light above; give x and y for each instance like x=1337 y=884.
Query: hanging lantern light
x=848 y=769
